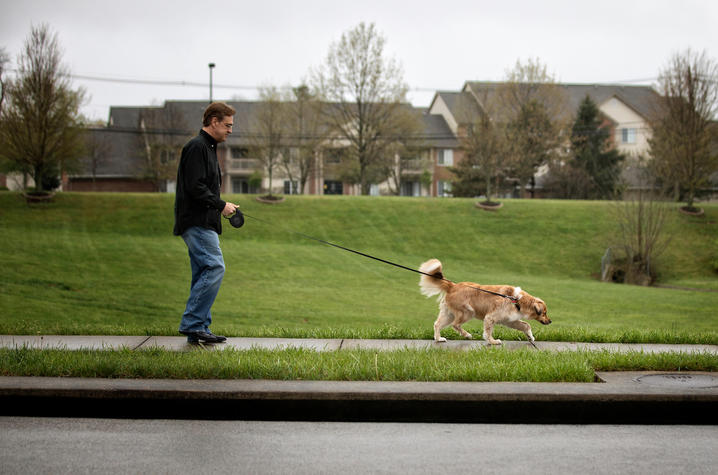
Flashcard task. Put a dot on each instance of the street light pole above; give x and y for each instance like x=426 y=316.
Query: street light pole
x=211 y=67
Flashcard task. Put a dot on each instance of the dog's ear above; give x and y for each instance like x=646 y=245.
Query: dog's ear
x=538 y=309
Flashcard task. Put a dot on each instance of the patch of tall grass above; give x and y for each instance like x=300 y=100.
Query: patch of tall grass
x=481 y=365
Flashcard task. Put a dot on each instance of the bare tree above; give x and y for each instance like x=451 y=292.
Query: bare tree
x=534 y=111
x=307 y=132
x=97 y=147
x=366 y=92
x=404 y=152
x=269 y=136
x=485 y=151
x=40 y=129
x=641 y=222
x=683 y=156
x=4 y=60
x=163 y=131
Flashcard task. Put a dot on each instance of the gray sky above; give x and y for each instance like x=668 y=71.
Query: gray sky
x=439 y=43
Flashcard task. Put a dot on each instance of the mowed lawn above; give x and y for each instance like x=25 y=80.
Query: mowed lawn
x=109 y=264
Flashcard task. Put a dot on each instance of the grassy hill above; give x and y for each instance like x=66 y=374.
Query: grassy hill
x=108 y=263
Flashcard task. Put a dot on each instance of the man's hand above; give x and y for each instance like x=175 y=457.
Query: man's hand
x=229 y=209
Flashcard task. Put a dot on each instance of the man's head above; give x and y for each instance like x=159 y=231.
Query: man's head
x=218 y=120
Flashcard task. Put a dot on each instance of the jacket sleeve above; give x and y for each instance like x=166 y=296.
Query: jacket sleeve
x=196 y=180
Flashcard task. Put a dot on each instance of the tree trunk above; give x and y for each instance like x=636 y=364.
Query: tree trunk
x=38 y=179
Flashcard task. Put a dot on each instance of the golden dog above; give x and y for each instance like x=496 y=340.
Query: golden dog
x=459 y=303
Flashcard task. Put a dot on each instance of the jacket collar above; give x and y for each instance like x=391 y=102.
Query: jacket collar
x=212 y=142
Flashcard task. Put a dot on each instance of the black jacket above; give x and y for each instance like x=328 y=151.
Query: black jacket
x=197 y=201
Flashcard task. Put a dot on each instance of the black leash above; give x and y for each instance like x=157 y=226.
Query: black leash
x=511 y=298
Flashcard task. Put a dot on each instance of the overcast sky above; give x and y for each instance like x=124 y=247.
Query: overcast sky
x=440 y=43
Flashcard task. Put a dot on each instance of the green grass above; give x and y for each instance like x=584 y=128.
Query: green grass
x=108 y=264
x=493 y=364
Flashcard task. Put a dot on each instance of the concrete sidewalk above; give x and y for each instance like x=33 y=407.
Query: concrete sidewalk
x=179 y=343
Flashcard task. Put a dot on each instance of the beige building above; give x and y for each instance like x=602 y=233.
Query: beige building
x=627 y=108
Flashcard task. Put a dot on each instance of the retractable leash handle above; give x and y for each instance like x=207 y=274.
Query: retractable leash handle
x=237 y=219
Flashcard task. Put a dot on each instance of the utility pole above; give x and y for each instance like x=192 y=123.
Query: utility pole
x=211 y=67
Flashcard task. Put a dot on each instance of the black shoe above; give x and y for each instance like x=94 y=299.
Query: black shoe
x=206 y=337
x=217 y=338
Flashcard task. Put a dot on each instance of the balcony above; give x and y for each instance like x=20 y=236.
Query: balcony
x=414 y=165
x=243 y=164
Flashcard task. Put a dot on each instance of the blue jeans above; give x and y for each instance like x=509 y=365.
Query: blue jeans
x=207 y=264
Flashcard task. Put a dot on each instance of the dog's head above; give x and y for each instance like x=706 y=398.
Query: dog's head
x=534 y=308
x=540 y=312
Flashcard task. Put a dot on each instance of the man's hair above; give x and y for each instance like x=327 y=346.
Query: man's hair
x=216 y=109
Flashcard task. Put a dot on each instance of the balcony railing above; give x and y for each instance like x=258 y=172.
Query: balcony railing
x=244 y=164
x=412 y=165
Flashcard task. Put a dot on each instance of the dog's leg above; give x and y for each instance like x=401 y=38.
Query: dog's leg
x=489 y=323
x=461 y=319
x=442 y=321
x=521 y=326
x=462 y=332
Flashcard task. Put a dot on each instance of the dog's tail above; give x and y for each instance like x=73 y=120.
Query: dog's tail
x=432 y=284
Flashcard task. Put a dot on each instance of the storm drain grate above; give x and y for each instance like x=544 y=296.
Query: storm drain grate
x=680 y=380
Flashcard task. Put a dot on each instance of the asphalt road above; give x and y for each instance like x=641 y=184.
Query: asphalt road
x=57 y=445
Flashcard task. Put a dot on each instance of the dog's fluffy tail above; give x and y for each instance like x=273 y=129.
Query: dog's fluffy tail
x=432 y=284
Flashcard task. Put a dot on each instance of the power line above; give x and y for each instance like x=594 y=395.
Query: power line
x=167 y=82
x=159 y=82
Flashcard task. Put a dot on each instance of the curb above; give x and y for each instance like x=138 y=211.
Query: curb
x=620 y=398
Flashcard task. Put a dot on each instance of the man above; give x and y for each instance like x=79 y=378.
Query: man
x=197 y=219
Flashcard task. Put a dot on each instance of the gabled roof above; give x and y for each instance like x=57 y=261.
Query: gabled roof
x=640 y=98
x=437 y=132
x=189 y=113
x=462 y=105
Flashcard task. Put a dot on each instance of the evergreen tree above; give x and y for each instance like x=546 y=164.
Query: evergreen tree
x=593 y=152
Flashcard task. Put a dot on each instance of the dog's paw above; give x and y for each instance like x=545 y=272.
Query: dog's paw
x=441 y=339
x=495 y=342
x=468 y=336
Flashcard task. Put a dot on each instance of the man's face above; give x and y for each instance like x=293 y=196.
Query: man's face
x=220 y=129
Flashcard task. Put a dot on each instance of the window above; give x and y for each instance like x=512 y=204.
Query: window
x=240 y=185
x=166 y=156
x=290 y=154
x=445 y=157
x=291 y=187
x=239 y=152
x=410 y=188
x=333 y=155
x=333 y=187
x=628 y=135
x=443 y=188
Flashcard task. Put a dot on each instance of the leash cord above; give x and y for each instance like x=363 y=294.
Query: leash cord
x=512 y=299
